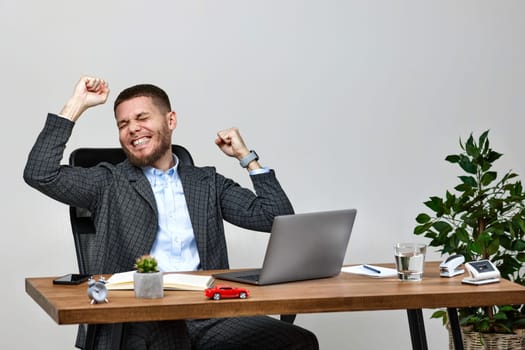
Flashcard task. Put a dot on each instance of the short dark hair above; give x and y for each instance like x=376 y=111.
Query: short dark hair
x=159 y=96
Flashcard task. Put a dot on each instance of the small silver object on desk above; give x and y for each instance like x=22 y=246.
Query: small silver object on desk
x=97 y=290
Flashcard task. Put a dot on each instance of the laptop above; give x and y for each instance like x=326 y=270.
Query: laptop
x=301 y=247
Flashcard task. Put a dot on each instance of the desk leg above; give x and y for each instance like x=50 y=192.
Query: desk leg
x=455 y=328
x=417 y=329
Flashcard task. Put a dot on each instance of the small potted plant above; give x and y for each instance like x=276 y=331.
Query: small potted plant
x=147 y=280
x=483 y=218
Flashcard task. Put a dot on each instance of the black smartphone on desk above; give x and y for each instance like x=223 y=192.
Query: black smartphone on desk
x=71 y=278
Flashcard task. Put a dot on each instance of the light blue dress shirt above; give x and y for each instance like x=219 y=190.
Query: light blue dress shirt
x=175 y=247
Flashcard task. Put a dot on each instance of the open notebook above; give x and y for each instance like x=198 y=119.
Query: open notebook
x=172 y=281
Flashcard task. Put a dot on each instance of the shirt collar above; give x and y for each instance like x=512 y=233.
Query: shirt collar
x=152 y=173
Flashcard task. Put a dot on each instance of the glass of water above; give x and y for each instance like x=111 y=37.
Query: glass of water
x=410 y=260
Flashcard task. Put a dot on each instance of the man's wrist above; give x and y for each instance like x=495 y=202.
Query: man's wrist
x=261 y=170
x=72 y=110
x=248 y=159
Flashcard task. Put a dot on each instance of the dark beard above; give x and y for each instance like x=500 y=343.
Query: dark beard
x=158 y=152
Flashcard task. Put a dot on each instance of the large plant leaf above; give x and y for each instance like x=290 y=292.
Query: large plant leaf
x=488 y=177
x=483 y=143
x=420 y=229
x=471 y=148
x=462 y=234
x=435 y=203
x=442 y=227
x=466 y=164
x=423 y=218
x=469 y=181
x=519 y=245
x=453 y=158
x=493 y=156
x=492 y=247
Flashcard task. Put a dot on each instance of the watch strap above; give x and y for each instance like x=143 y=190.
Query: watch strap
x=249 y=158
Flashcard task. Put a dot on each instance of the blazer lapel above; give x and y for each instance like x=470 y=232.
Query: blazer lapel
x=141 y=185
x=196 y=192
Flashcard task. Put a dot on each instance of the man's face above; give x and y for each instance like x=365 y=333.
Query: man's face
x=144 y=131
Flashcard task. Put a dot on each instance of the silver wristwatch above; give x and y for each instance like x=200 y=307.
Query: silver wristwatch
x=249 y=158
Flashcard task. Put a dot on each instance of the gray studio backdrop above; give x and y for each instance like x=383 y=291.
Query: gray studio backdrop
x=354 y=103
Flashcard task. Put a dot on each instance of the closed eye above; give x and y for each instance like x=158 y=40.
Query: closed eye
x=143 y=116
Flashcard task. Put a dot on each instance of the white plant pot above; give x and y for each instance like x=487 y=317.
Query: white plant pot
x=148 y=285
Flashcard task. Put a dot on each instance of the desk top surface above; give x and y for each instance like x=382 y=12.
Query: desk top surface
x=345 y=292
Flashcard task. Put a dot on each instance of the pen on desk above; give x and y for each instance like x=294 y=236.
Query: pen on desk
x=371 y=268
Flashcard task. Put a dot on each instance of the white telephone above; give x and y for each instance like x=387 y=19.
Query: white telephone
x=481 y=272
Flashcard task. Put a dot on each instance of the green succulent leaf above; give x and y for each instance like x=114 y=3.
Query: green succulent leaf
x=146 y=264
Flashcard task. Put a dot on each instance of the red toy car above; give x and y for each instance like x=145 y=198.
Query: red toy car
x=219 y=292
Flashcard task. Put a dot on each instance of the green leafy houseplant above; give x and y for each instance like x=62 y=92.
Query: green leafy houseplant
x=483 y=218
x=146 y=264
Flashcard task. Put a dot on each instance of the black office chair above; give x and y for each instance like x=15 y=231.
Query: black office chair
x=84 y=229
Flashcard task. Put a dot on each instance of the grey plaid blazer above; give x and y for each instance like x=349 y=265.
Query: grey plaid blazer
x=123 y=204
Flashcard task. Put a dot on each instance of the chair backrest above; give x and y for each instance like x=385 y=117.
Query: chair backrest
x=81 y=219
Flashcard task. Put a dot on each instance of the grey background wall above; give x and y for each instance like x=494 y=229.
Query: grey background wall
x=354 y=103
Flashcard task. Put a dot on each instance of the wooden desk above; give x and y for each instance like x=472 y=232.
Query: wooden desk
x=346 y=292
